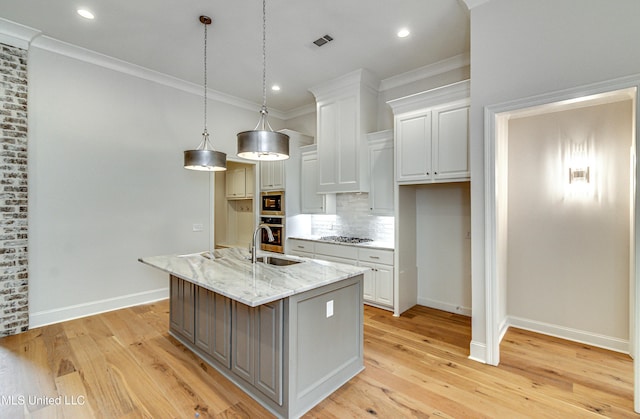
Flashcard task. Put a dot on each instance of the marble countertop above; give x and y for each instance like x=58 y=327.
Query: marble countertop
x=376 y=244
x=232 y=274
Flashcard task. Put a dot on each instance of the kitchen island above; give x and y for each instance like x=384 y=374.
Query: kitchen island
x=289 y=334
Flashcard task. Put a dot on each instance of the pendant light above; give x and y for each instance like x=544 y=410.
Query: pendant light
x=205 y=157
x=263 y=143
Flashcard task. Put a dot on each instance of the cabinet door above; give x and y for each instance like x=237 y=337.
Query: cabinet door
x=236 y=183
x=257 y=346
x=182 y=308
x=213 y=325
x=413 y=142
x=250 y=182
x=369 y=286
x=339 y=146
x=277 y=174
x=272 y=175
x=451 y=150
x=242 y=358
x=268 y=341
x=311 y=202
x=328 y=131
x=384 y=284
x=381 y=173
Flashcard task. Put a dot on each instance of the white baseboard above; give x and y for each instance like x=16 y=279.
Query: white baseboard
x=46 y=317
x=478 y=352
x=594 y=339
x=439 y=305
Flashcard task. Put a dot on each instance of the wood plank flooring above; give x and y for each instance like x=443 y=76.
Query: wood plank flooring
x=123 y=364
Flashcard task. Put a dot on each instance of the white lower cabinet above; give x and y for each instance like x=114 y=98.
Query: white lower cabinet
x=302 y=248
x=378 y=281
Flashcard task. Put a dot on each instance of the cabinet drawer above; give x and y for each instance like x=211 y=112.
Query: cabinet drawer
x=301 y=246
x=337 y=250
x=376 y=256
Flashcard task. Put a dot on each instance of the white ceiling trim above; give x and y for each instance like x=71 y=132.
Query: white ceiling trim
x=82 y=54
x=16 y=35
x=475 y=3
x=425 y=72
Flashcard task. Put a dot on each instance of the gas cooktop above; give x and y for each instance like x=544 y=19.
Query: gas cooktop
x=345 y=239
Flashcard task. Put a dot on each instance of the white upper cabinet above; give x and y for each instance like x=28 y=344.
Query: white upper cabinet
x=451 y=145
x=432 y=135
x=312 y=202
x=236 y=183
x=346 y=111
x=381 y=199
x=272 y=175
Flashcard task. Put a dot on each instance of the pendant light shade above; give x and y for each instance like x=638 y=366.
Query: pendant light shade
x=204 y=157
x=263 y=143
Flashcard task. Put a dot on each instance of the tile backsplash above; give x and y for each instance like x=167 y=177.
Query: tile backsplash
x=352 y=218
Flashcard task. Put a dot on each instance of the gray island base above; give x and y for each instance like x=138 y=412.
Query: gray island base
x=288 y=336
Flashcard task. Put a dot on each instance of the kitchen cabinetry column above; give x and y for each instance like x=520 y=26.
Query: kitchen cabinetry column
x=346 y=111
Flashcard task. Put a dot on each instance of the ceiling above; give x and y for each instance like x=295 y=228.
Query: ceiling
x=167 y=36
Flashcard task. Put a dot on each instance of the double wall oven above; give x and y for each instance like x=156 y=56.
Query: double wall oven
x=272 y=214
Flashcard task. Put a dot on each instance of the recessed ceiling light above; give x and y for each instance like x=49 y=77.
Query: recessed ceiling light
x=403 y=33
x=275 y=88
x=85 y=13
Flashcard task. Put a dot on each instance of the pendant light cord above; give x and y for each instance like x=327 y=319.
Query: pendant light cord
x=264 y=55
x=205 y=79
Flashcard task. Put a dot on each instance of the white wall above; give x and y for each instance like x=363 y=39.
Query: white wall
x=568 y=244
x=443 y=246
x=107 y=184
x=522 y=48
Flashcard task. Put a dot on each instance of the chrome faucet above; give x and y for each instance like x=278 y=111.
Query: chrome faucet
x=255 y=237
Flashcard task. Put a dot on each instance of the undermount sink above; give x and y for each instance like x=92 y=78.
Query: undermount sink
x=272 y=260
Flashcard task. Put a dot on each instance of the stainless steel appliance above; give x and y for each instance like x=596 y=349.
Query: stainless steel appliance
x=276 y=224
x=272 y=203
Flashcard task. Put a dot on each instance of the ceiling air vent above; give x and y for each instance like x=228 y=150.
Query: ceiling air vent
x=323 y=40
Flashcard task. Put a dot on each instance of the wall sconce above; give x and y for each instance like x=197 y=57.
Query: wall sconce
x=579 y=174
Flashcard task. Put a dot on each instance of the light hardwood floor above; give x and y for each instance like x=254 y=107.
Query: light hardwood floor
x=123 y=364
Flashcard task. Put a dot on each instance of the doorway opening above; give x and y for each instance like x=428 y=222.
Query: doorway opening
x=561 y=247
x=234 y=205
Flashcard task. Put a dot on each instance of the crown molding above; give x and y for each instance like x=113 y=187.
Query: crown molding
x=16 y=35
x=431 y=70
x=449 y=93
x=296 y=112
x=474 y=3
x=82 y=54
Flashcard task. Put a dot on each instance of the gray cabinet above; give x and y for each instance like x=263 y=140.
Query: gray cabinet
x=182 y=313
x=287 y=354
x=213 y=325
x=257 y=347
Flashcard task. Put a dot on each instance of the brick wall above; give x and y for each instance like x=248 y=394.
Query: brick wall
x=14 y=312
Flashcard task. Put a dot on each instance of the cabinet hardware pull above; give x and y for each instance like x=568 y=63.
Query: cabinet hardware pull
x=374 y=257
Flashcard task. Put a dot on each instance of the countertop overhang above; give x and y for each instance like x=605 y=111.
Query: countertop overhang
x=231 y=273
